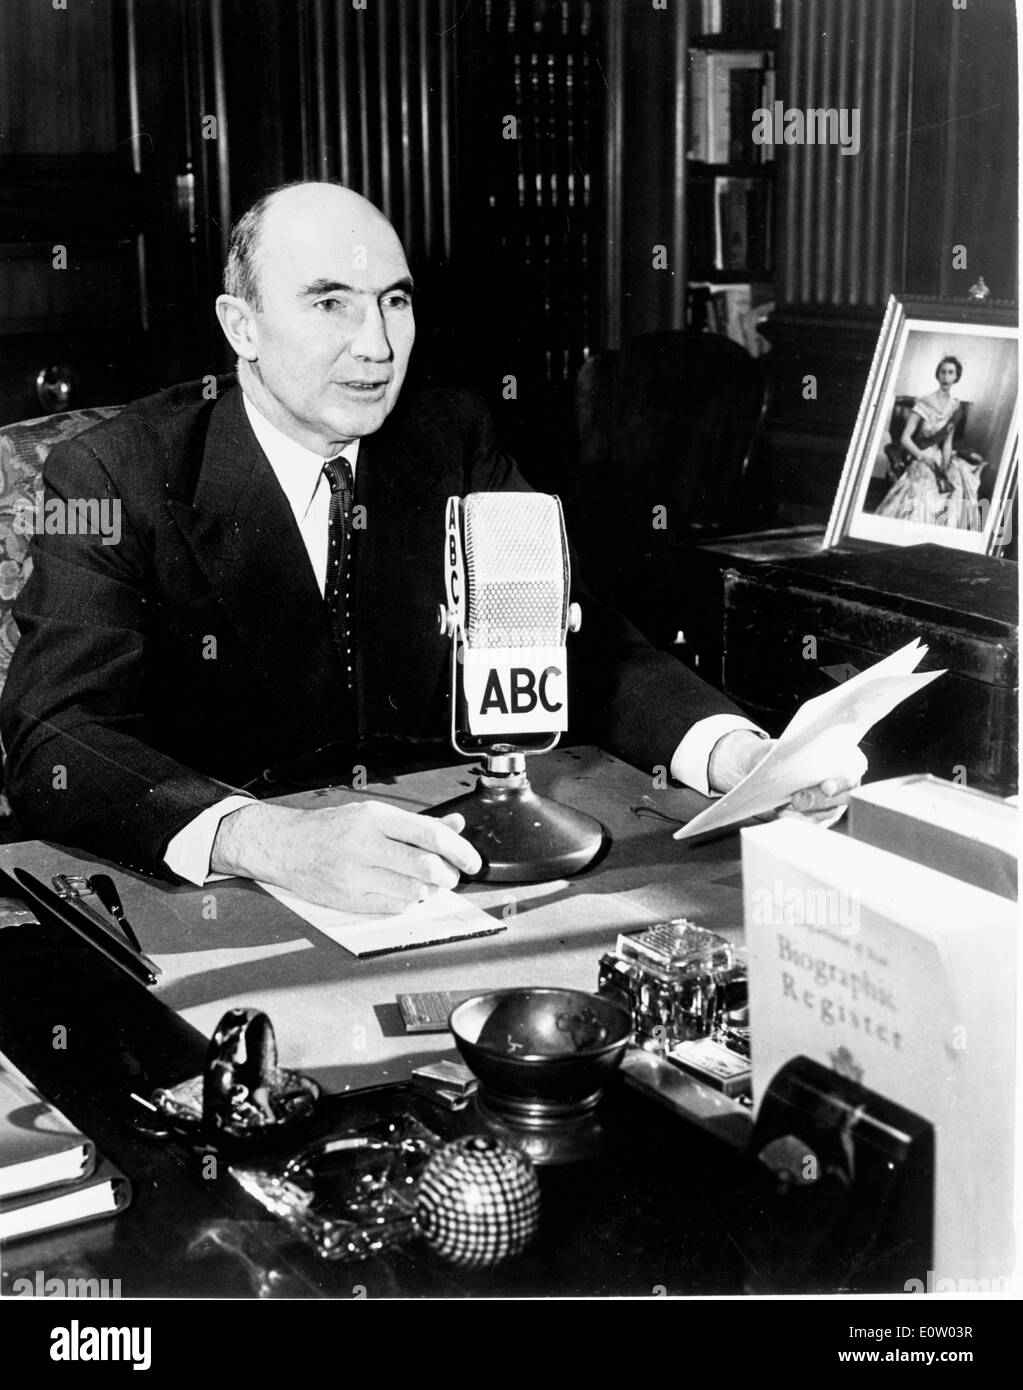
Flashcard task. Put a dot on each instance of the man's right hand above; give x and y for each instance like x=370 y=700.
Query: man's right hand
x=367 y=857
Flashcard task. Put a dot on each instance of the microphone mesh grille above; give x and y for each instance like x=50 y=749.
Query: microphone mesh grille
x=515 y=570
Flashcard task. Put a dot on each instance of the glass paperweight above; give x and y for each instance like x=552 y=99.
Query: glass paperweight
x=348 y=1197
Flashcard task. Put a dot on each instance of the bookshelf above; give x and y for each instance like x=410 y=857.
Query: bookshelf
x=730 y=176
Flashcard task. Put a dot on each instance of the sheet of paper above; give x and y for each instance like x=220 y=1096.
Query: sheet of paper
x=821 y=734
x=443 y=917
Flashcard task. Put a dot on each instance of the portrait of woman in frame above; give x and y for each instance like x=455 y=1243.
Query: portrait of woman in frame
x=933 y=456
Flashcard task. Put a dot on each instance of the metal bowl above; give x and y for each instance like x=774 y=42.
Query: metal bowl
x=554 y=1047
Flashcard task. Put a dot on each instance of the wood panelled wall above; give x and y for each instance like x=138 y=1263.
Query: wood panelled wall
x=937 y=170
x=319 y=90
x=963 y=182
x=843 y=214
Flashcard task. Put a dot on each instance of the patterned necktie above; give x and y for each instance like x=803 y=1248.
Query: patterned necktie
x=337 y=589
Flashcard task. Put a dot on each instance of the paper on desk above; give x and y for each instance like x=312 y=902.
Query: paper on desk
x=442 y=917
x=822 y=733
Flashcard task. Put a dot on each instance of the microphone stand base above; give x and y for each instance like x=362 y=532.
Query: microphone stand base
x=521 y=836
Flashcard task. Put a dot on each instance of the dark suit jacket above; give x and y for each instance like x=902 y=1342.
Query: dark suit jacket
x=195 y=655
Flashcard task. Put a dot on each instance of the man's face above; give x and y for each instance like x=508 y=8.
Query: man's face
x=335 y=327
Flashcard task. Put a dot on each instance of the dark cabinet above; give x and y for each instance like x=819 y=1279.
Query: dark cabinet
x=98 y=241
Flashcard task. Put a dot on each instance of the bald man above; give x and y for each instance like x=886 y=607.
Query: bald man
x=217 y=654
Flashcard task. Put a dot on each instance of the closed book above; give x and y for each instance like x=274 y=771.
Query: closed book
x=721 y=68
x=710 y=16
x=699 y=146
x=735 y=312
x=745 y=92
x=904 y=979
x=39 y=1147
x=953 y=828
x=103 y=1193
x=759 y=212
x=733 y=212
x=765 y=153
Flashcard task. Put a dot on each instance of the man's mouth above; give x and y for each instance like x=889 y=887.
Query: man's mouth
x=364 y=388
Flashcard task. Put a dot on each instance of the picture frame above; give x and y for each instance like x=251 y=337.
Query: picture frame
x=933 y=456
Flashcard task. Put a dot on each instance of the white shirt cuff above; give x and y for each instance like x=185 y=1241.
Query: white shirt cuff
x=188 y=852
x=690 y=762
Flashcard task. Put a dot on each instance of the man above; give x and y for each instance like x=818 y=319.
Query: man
x=161 y=681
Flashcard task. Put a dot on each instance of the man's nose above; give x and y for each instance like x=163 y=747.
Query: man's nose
x=371 y=341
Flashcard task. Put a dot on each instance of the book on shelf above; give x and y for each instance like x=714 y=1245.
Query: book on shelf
x=50 y=1172
x=725 y=91
x=706 y=16
x=729 y=312
x=730 y=222
x=742 y=216
x=734 y=18
x=765 y=153
x=745 y=97
x=734 y=311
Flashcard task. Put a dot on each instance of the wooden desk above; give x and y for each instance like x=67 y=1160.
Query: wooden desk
x=335 y=1016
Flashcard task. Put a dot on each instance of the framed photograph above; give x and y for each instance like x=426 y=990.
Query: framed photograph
x=934 y=451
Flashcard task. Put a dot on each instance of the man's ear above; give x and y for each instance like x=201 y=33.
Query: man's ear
x=236 y=319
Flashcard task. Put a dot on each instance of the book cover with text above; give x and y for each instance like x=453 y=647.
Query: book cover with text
x=904 y=979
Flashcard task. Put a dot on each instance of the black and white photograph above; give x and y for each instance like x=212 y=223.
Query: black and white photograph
x=509 y=687
x=940 y=452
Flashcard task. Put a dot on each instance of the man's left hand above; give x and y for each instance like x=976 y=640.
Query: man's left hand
x=738 y=753
x=826 y=802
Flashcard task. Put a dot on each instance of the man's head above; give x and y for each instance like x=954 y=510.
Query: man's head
x=318 y=307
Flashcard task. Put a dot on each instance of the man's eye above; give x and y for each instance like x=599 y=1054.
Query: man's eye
x=331 y=305
x=397 y=301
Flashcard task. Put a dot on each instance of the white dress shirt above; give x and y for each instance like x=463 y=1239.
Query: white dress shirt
x=300 y=474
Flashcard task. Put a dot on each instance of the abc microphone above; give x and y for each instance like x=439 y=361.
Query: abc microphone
x=508 y=616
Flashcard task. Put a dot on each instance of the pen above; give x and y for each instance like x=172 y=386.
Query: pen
x=106 y=891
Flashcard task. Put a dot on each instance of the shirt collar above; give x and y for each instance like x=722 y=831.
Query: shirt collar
x=296 y=468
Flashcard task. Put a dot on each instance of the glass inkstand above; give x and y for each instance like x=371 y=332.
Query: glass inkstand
x=676 y=979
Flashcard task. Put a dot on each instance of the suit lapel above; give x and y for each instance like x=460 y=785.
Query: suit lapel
x=246 y=541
